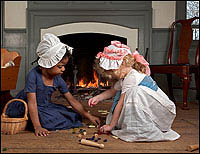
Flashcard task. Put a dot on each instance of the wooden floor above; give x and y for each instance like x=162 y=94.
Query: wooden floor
x=186 y=124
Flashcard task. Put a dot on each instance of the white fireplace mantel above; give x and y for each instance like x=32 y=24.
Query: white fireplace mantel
x=94 y=27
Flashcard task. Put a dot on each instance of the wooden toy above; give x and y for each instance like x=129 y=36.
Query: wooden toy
x=91 y=143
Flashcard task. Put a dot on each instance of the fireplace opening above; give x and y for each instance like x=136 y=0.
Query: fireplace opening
x=79 y=70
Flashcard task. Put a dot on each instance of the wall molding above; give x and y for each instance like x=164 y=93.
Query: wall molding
x=89 y=5
x=15 y=30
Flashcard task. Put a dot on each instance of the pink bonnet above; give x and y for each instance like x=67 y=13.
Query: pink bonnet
x=112 y=56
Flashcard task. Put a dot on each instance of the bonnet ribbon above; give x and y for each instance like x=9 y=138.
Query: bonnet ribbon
x=139 y=58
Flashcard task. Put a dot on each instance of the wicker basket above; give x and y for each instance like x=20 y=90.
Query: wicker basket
x=13 y=125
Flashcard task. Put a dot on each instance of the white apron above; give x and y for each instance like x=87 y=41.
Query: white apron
x=147 y=115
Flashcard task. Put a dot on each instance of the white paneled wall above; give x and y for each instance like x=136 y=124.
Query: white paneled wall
x=163 y=13
x=15 y=14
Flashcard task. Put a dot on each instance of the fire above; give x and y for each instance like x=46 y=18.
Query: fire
x=91 y=84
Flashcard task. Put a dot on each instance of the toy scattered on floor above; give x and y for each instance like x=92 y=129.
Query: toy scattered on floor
x=193 y=147
x=105 y=140
x=92 y=138
x=103 y=111
x=82 y=132
x=91 y=143
x=115 y=137
x=74 y=130
x=96 y=136
x=91 y=126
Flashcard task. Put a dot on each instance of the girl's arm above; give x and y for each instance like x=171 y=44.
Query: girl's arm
x=33 y=111
x=79 y=108
x=105 y=95
x=115 y=116
x=117 y=111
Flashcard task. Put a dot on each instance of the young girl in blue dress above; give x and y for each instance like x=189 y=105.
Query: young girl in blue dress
x=41 y=82
x=144 y=112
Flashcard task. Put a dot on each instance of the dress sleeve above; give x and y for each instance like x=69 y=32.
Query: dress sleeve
x=128 y=82
x=31 y=81
x=62 y=85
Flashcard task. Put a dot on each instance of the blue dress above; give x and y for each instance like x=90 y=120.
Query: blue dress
x=52 y=116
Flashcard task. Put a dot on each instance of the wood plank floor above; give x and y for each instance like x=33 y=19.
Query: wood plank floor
x=186 y=124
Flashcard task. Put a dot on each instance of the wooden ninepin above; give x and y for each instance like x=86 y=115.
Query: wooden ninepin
x=91 y=143
x=193 y=147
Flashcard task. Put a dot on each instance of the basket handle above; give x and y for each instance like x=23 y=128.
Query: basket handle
x=20 y=100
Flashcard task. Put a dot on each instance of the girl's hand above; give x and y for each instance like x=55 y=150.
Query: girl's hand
x=93 y=101
x=39 y=131
x=106 y=128
x=95 y=120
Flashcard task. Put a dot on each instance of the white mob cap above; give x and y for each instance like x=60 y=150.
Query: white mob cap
x=51 y=50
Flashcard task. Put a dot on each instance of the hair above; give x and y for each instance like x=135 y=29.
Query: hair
x=67 y=54
x=99 y=69
x=104 y=74
x=128 y=61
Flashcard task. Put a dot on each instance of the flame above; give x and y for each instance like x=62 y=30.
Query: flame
x=81 y=83
x=91 y=84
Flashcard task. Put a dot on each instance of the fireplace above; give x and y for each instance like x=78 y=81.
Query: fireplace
x=80 y=72
x=77 y=22
x=87 y=39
